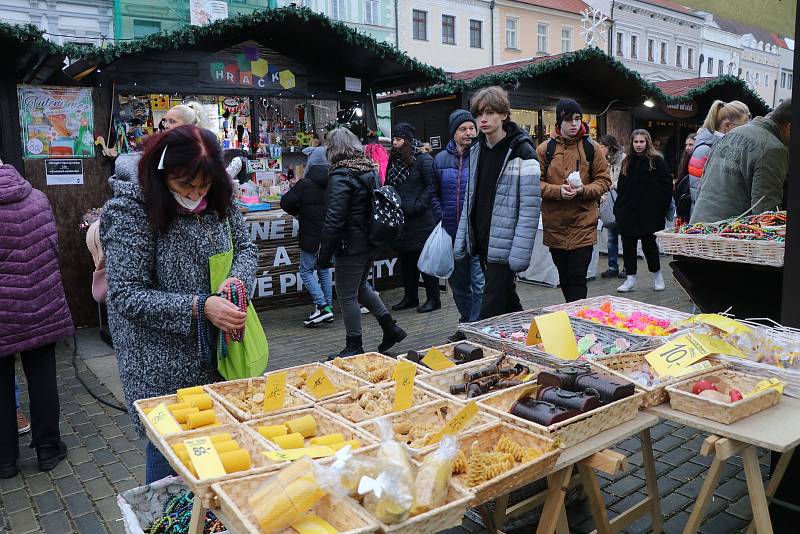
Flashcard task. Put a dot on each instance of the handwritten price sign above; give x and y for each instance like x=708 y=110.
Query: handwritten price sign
x=163 y=420
x=673 y=358
x=457 y=423
x=275 y=392
x=319 y=384
x=204 y=458
x=404 y=387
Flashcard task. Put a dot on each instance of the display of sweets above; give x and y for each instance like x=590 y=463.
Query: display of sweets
x=589 y=347
x=767 y=226
x=302 y=432
x=373 y=369
x=360 y=406
x=757 y=345
x=232 y=456
x=636 y=323
x=481 y=466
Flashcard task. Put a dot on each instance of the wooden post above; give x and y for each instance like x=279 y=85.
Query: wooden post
x=557 y=488
x=652 y=481
x=755 y=487
x=775 y=480
x=705 y=495
x=198 y=521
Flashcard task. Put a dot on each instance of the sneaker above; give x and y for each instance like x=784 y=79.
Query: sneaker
x=23 y=425
x=364 y=310
x=658 y=285
x=329 y=319
x=320 y=314
x=609 y=273
x=628 y=285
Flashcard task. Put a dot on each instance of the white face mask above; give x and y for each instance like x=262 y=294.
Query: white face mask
x=187 y=203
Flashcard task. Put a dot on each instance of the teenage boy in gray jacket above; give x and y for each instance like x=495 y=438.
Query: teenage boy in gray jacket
x=501 y=211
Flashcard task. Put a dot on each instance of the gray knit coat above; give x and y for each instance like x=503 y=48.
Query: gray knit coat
x=152 y=282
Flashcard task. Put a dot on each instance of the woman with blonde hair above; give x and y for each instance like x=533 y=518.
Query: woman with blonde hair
x=721 y=118
x=188 y=113
x=644 y=189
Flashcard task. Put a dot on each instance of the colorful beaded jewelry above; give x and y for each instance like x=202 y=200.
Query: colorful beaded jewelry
x=203 y=345
x=177 y=515
x=237 y=294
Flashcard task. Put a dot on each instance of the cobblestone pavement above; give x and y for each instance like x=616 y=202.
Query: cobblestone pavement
x=106 y=455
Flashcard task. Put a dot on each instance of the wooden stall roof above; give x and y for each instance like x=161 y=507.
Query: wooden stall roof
x=32 y=58
x=705 y=90
x=319 y=43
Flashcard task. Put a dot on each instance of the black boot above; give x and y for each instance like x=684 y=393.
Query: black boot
x=352 y=348
x=406 y=303
x=430 y=305
x=392 y=333
x=8 y=470
x=50 y=456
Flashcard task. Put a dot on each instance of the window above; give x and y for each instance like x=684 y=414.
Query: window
x=511 y=33
x=766 y=80
x=720 y=67
x=476 y=33
x=783 y=80
x=566 y=40
x=541 y=38
x=619 y=44
x=651 y=50
x=448 y=29
x=757 y=78
x=747 y=76
x=663 y=53
x=678 y=54
x=336 y=9
x=420 y=25
x=634 y=47
x=690 y=59
x=371 y=12
x=789 y=80
x=142 y=28
x=710 y=66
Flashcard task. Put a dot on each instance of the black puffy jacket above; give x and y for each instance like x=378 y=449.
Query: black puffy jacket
x=415 y=194
x=306 y=200
x=349 y=208
x=643 y=197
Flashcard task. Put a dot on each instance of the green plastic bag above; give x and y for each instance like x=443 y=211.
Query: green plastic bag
x=249 y=357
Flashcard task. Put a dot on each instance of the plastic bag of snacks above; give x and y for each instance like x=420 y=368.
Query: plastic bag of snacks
x=348 y=468
x=391 y=450
x=389 y=496
x=433 y=476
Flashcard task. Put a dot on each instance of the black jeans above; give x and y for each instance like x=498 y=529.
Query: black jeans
x=650 y=249
x=572 y=266
x=408 y=266
x=39 y=365
x=500 y=292
x=353 y=290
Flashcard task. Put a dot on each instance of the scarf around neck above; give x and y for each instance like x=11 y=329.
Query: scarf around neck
x=358 y=164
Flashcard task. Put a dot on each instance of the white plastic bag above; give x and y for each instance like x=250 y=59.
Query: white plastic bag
x=436 y=258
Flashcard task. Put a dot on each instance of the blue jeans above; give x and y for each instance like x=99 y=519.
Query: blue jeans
x=156 y=466
x=613 y=249
x=467 y=282
x=322 y=291
x=16 y=392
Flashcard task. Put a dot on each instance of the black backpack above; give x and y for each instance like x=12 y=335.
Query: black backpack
x=386 y=221
x=588 y=150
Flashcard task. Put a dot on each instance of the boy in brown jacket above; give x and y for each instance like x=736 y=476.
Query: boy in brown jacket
x=574 y=177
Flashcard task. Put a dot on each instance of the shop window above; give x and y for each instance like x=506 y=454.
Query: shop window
x=541 y=38
x=690 y=59
x=448 y=29
x=512 y=25
x=634 y=47
x=710 y=69
x=336 y=10
x=420 y=24
x=620 y=52
x=371 y=12
x=678 y=54
x=566 y=40
x=663 y=53
x=476 y=33
x=143 y=28
x=651 y=50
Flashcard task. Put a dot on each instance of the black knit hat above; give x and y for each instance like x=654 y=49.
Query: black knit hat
x=404 y=131
x=459 y=117
x=566 y=108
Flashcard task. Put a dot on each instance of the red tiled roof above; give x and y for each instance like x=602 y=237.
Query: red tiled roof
x=681 y=87
x=497 y=69
x=570 y=6
x=670 y=5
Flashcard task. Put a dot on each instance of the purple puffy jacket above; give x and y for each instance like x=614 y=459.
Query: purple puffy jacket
x=33 y=309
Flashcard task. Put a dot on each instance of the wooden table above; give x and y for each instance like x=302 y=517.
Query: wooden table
x=581 y=456
x=776 y=429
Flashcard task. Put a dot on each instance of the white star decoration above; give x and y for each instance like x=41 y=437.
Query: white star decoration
x=595 y=29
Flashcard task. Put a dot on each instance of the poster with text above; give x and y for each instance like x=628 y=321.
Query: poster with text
x=56 y=122
x=204 y=12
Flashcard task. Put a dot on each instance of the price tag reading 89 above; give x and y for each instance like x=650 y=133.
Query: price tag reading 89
x=204 y=458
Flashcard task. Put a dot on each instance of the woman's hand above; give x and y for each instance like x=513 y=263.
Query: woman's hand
x=225 y=287
x=224 y=314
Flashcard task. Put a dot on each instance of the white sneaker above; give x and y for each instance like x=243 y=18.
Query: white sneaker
x=364 y=310
x=628 y=285
x=321 y=313
x=658 y=285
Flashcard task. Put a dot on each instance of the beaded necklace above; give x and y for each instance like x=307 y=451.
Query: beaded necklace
x=177 y=514
x=237 y=294
x=202 y=330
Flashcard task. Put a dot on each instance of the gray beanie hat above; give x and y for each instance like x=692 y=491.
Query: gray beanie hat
x=459 y=117
x=316 y=156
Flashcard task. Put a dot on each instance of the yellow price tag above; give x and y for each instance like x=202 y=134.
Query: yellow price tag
x=557 y=335
x=314 y=524
x=204 y=458
x=436 y=360
x=534 y=337
x=457 y=423
x=275 y=392
x=673 y=357
x=699 y=366
x=320 y=451
x=726 y=324
x=319 y=384
x=404 y=386
x=164 y=422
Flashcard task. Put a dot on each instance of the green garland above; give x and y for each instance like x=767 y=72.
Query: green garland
x=29 y=37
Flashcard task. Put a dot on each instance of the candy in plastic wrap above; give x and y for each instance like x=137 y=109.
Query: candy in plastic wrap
x=433 y=476
x=390 y=496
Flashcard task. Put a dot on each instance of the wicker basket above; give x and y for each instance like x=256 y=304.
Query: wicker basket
x=682 y=399
x=440 y=381
x=436 y=413
x=571 y=431
x=327 y=423
x=341 y=380
x=623 y=365
x=246 y=440
x=360 y=366
x=219 y=391
x=421 y=397
x=717 y=248
x=622 y=305
x=447 y=350
x=143 y=406
x=449 y=515
x=344 y=515
x=521 y=474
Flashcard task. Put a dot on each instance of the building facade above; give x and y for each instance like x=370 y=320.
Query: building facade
x=76 y=21
x=452 y=34
x=720 y=50
x=783 y=84
x=375 y=18
x=530 y=28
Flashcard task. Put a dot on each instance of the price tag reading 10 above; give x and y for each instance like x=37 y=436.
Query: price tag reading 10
x=204 y=458
x=677 y=354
